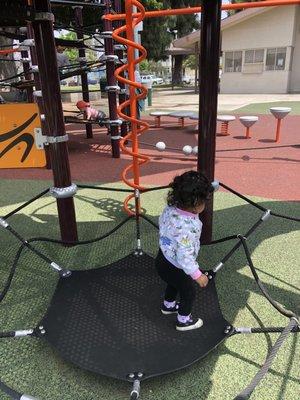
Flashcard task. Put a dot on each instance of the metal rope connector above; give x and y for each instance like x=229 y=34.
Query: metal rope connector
x=218 y=267
x=114 y=88
x=64 y=273
x=266 y=215
x=3 y=223
x=63 y=193
x=27 y=397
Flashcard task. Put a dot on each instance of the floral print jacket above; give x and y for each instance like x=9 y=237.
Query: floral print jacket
x=179 y=239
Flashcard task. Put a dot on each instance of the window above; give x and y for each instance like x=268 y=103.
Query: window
x=276 y=59
x=233 y=61
x=254 y=56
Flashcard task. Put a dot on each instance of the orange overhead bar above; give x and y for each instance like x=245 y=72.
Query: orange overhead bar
x=9 y=51
x=196 y=10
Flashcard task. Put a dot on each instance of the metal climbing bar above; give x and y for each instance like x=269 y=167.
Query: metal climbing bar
x=244 y=395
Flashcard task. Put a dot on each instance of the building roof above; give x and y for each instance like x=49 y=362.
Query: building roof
x=189 y=41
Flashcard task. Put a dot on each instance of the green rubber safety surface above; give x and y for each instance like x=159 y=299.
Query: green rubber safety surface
x=32 y=366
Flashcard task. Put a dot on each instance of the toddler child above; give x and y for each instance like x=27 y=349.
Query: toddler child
x=179 y=242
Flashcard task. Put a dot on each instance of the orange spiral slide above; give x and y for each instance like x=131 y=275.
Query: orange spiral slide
x=137 y=126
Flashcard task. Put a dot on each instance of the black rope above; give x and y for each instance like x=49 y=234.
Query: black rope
x=257 y=205
x=155 y=188
x=42 y=239
x=273 y=329
x=9 y=60
x=11 y=273
x=246 y=393
x=279 y=307
x=68 y=3
x=285 y=217
x=28 y=245
x=105 y=188
x=10 y=392
x=26 y=204
x=242 y=197
x=15 y=76
x=10 y=334
x=235 y=247
x=225 y=239
x=149 y=220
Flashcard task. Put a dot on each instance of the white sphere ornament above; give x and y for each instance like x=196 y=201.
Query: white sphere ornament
x=187 y=150
x=195 y=150
x=161 y=146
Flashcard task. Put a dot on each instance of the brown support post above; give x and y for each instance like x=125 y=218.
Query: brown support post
x=120 y=54
x=37 y=84
x=111 y=82
x=197 y=68
x=54 y=119
x=209 y=77
x=27 y=73
x=84 y=77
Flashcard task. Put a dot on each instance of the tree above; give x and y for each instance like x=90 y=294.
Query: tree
x=232 y=12
x=190 y=62
x=92 y=18
x=71 y=52
x=155 y=36
x=183 y=24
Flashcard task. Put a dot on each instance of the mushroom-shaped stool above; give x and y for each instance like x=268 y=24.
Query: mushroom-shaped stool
x=157 y=116
x=195 y=117
x=279 y=113
x=181 y=115
x=225 y=119
x=248 y=121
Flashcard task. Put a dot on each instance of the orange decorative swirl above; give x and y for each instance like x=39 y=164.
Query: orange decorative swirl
x=137 y=126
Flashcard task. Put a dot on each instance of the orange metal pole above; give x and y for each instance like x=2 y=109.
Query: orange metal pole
x=132 y=95
x=196 y=10
x=137 y=126
x=248 y=133
x=278 y=130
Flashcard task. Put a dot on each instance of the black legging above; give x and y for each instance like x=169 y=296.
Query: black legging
x=177 y=282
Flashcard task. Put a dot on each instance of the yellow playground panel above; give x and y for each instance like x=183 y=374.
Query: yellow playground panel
x=19 y=125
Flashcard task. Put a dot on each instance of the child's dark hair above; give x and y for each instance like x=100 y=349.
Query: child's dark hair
x=189 y=190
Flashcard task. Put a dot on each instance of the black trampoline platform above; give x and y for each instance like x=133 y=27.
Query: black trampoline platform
x=108 y=321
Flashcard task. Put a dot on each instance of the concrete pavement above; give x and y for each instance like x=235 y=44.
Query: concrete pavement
x=187 y=100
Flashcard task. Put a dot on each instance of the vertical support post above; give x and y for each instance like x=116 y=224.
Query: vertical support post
x=27 y=73
x=84 y=77
x=197 y=68
x=38 y=100
x=120 y=54
x=209 y=66
x=111 y=81
x=54 y=119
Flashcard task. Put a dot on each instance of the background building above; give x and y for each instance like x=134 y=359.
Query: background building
x=260 y=50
